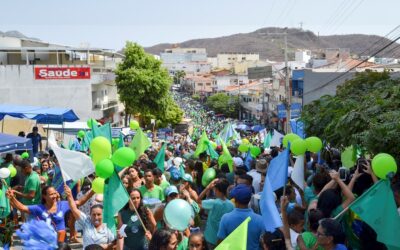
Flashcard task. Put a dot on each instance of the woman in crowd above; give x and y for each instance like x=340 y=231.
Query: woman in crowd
x=52 y=210
x=330 y=235
x=93 y=229
x=129 y=224
x=164 y=239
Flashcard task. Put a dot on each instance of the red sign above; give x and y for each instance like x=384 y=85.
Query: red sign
x=62 y=73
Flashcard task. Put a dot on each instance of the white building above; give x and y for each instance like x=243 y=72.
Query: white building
x=189 y=60
x=228 y=60
x=41 y=74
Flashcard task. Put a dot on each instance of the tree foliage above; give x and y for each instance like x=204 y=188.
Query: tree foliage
x=180 y=74
x=364 y=112
x=224 y=104
x=143 y=85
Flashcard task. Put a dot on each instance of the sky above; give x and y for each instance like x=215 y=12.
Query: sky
x=110 y=23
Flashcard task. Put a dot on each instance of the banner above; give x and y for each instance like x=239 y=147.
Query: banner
x=62 y=73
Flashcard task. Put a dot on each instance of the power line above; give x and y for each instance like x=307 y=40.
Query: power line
x=382 y=39
x=341 y=8
x=363 y=61
x=347 y=16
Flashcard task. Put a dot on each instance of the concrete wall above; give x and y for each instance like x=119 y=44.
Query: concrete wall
x=314 y=80
x=18 y=86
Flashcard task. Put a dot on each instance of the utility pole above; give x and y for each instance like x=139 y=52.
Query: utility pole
x=240 y=115
x=287 y=84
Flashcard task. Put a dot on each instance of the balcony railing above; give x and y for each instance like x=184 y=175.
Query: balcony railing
x=104 y=106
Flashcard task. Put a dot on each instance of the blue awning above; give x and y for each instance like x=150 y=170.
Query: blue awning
x=10 y=143
x=44 y=115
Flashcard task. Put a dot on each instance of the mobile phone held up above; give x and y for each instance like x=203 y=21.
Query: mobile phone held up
x=361 y=162
x=343 y=173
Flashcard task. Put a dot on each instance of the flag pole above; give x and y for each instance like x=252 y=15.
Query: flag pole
x=137 y=213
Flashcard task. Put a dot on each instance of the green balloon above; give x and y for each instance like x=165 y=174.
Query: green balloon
x=347 y=158
x=124 y=157
x=289 y=138
x=25 y=155
x=383 y=164
x=98 y=185
x=243 y=148
x=100 y=148
x=298 y=147
x=134 y=124
x=255 y=151
x=314 y=144
x=104 y=168
x=90 y=122
x=208 y=176
x=81 y=134
x=13 y=171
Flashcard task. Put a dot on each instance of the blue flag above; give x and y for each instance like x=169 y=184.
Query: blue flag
x=276 y=178
x=278 y=170
x=269 y=210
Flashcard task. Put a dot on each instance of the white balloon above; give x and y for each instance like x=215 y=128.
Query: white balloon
x=4 y=173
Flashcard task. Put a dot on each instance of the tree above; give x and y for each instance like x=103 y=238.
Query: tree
x=178 y=76
x=364 y=112
x=143 y=85
x=224 y=104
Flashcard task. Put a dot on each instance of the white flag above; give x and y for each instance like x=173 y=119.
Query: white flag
x=298 y=172
x=74 y=165
x=276 y=139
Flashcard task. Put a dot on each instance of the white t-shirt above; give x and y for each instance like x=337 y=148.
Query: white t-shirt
x=293 y=238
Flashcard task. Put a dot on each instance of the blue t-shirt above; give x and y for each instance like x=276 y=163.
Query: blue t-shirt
x=36 y=139
x=56 y=219
x=232 y=220
x=217 y=208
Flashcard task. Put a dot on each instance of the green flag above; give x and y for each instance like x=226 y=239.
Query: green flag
x=115 y=198
x=237 y=240
x=211 y=152
x=201 y=144
x=267 y=140
x=160 y=158
x=104 y=131
x=4 y=203
x=377 y=208
x=225 y=157
x=139 y=143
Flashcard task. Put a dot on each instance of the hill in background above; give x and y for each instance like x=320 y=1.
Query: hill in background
x=271 y=46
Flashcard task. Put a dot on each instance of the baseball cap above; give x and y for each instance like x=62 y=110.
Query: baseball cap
x=241 y=193
x=175 y=174
x=188 y=178
x=171 y=190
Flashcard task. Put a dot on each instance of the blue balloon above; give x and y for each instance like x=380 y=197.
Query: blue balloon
x=178 y=214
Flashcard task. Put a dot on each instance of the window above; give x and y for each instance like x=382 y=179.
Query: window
x=200 y=84
x=208 y=84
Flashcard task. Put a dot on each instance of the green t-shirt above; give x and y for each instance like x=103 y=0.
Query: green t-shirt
x=32 y=183
x=309 y=240
x=184 y=244
x=157 y=192
x=216 y=209
x=164 y=185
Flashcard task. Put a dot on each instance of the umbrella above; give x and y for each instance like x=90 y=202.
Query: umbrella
x=258 y=128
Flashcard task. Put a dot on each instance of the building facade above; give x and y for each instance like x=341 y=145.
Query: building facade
x=41 y=74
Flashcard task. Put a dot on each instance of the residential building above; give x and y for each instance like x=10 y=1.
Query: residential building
x=189 y=60
x=202 y=84
x=228 y=60
x=42 y=74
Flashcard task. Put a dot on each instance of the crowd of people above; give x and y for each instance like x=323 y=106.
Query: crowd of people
x=314 y=217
